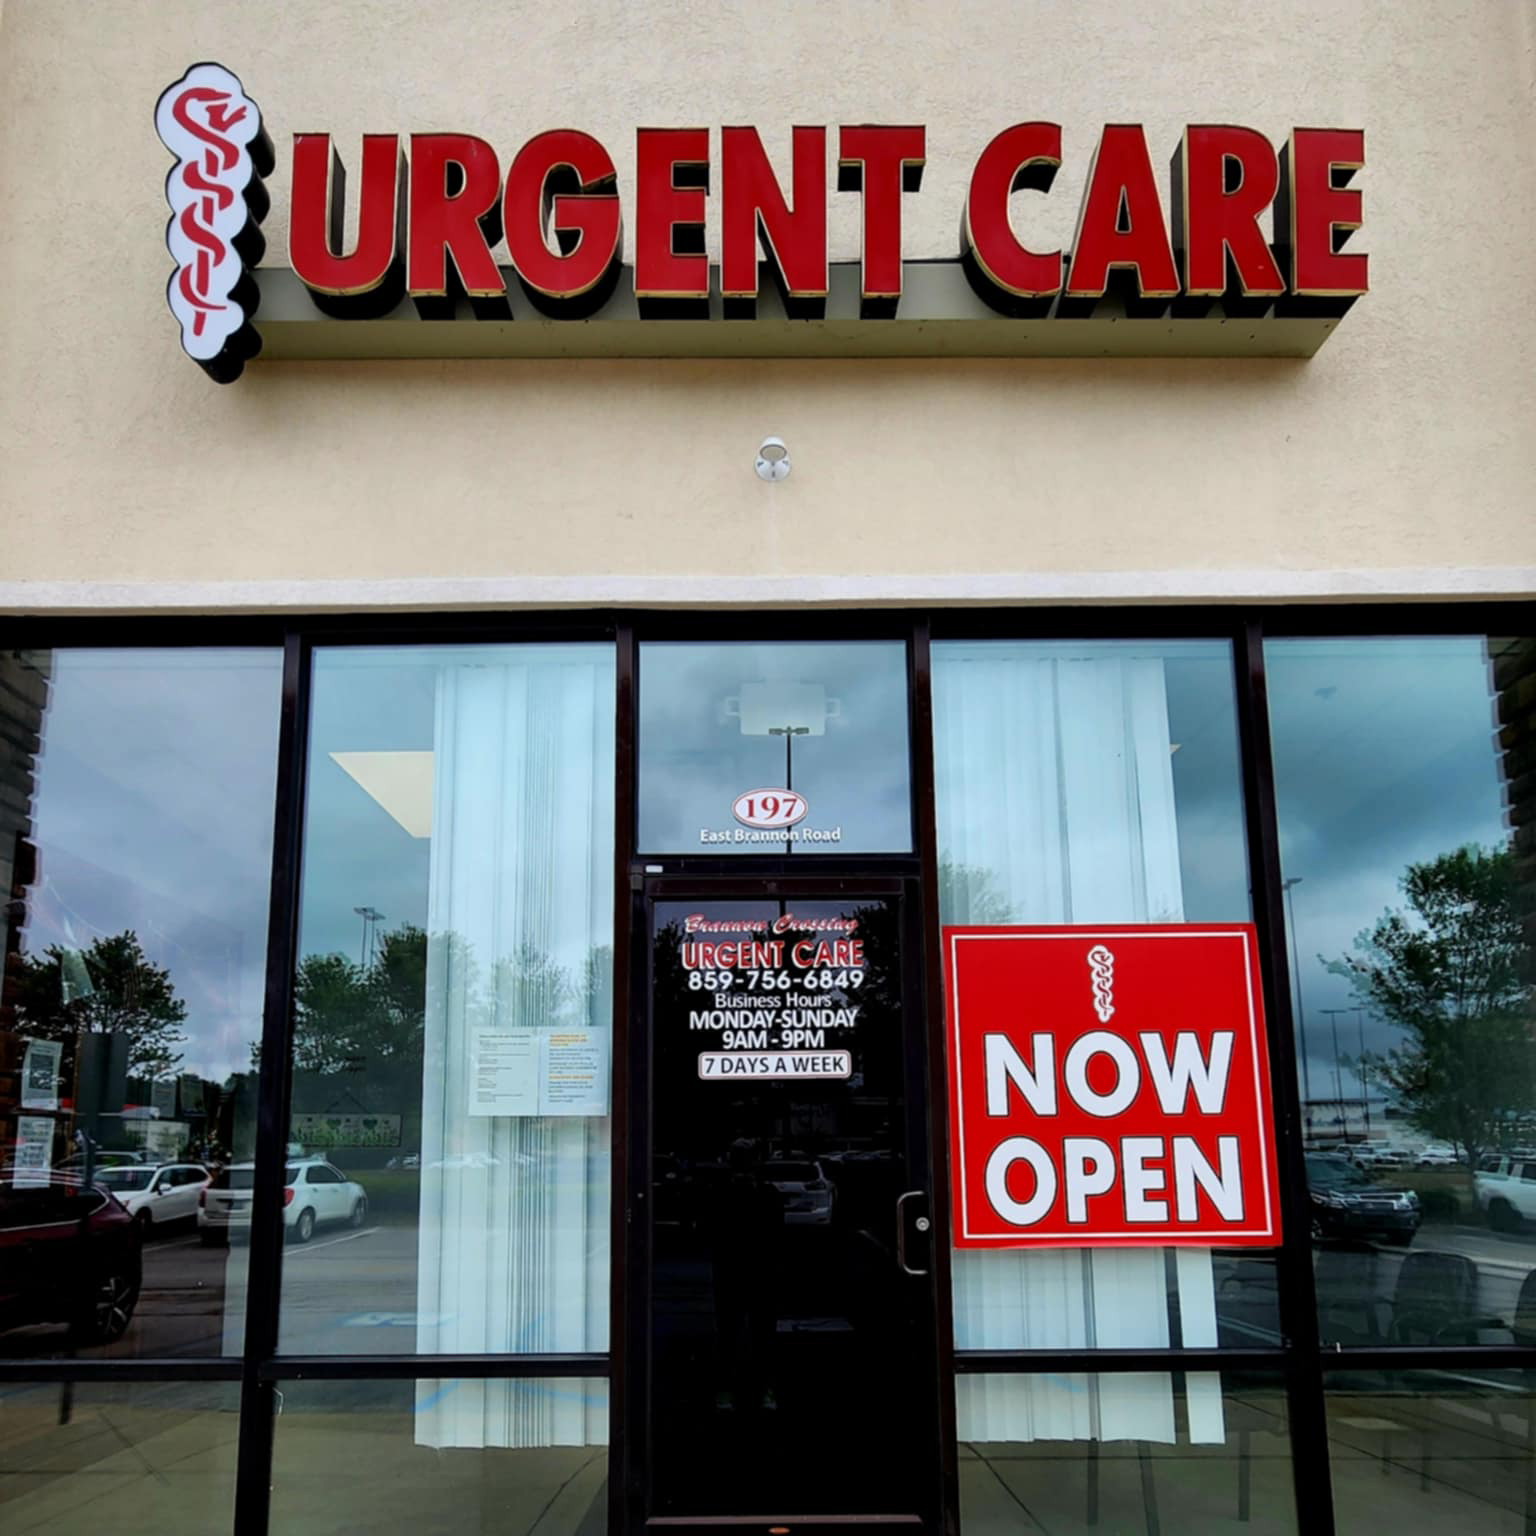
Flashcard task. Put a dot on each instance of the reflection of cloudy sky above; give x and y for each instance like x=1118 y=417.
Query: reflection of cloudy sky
x=1384 y=756
x=153 y=811
x=384 y=699
x=1207 y=781
x=695 y=760
x=355 y=853
x=156 y=781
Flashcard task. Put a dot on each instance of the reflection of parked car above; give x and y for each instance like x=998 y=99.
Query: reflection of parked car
x=157 y=1196
x=313 y=1193
x=1437 y=1154
x=1347 y=1202
x=805 y=1191
x=465 y=1160
x=69 y=1253
x=1506 y=1190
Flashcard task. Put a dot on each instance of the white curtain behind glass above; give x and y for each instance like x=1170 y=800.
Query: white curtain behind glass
x=1054 y=781
x=513 y=1239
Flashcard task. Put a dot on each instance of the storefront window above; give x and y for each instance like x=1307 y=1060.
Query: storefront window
x=1076 y=1454
x=1082 y=782
x=136 y=811
x=350 y=1456
x=447 y=1183
x=134 y=1458
x=1404 y=780
x=797 y=747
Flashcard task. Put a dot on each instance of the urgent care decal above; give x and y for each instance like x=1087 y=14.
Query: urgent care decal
x=433 y=209
x=1109 y=1086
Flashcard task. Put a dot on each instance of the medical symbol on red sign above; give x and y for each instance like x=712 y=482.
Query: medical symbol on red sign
x=217 y=202
x=1109 y=1087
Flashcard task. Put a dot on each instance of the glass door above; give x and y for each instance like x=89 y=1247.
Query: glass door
x=785 y=1314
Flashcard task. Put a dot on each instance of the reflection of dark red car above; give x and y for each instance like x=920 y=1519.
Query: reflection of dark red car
x=69 y=1253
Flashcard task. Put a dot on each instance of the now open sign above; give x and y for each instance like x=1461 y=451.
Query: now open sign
x=1109 y=1086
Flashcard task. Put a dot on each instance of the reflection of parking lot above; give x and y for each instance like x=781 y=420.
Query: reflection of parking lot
x=1468 y=1293
x=1456 y=1285
x=352 y=1292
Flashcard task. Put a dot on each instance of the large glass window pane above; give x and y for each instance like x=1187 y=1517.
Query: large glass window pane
x=1056 y=1467
x=1406 y=783
x=447 y=1185
x=1422 y=1451
x=353 y=1456
x=1081 y=782
x=136 y=808
x=797 y=747
x=136 y=1459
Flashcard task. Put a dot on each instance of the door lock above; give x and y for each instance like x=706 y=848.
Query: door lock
x=921 y=1223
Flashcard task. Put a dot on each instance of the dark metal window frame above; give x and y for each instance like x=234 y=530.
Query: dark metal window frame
x=1299 y=1361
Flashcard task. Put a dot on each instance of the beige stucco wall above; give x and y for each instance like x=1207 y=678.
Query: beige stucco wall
x=1402 y=459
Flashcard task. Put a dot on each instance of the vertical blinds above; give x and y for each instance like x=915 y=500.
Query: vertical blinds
x=1055 y=804
x=513 y=1247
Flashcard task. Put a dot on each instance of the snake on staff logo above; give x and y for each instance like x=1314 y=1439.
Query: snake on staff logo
x=217 y=202
x=1101 y=965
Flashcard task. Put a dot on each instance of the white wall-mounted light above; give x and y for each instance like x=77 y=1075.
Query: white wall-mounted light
x=772 y=459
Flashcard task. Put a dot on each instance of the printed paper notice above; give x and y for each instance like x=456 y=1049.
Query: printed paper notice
x=527 y=1072
x=34 y=1151
x=505 y=1073
x=40 y=1074
x=575 y=1075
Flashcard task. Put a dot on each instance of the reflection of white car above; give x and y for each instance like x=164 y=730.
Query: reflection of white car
x=464 y=1160
x=1438 y=1154
x=156 y=1195
x=1506 y=1189
x=313 y=1193
x=805 y=1190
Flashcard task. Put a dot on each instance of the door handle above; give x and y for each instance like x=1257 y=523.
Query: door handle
x=922 y=1225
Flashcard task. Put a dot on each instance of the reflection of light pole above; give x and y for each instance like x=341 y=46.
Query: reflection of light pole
x=1364 y=1073
x=789 y=732
x=1301 y=1012
x=1338 y=1076
x=370 y=917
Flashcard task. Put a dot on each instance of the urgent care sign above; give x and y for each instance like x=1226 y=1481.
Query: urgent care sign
x=1109 y=1086
x=1249 y=227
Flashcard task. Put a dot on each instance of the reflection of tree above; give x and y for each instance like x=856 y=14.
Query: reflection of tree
x=344 y=1012
x=531 y=990
x=528 y=989
x=110 y=987
x=968 y=894
x=1454 y=974
x=359 y=1031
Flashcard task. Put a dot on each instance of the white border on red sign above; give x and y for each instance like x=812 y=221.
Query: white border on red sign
x=1120 y=1239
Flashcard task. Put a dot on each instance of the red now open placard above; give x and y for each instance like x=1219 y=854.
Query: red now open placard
x=1109 y=1086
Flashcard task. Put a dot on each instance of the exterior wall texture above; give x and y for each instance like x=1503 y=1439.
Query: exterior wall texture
x=1399 y=461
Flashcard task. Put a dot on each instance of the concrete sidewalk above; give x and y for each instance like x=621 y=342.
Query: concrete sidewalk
x=159 y=1460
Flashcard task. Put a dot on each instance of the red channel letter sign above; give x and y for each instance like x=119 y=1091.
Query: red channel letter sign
x=1109 y=1086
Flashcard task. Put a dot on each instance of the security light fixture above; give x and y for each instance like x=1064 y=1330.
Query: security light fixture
x=772 y=459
